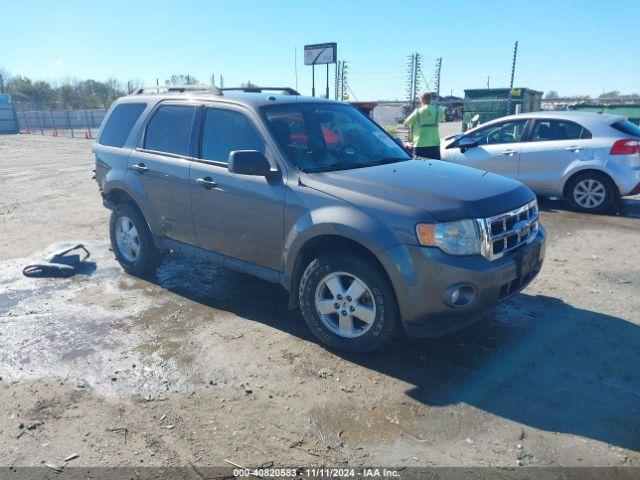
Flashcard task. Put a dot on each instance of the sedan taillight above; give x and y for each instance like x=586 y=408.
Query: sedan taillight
x=625 y=147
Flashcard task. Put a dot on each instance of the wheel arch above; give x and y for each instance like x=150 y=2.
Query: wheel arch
x=325 y=243
x=118 y=195
x=586 y=171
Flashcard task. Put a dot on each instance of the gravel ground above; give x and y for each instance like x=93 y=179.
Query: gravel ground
x=202 y=364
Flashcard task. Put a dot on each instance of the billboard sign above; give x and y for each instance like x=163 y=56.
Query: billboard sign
x=320 y=54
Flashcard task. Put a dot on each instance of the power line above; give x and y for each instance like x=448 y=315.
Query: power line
x=351 y=91
x=426 y=84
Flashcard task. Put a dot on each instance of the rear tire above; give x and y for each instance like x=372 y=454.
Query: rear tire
x=591 y=192
x=347 y=303
x=131 y=241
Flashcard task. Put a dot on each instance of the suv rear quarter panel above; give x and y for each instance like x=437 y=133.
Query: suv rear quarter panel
x=112 y=162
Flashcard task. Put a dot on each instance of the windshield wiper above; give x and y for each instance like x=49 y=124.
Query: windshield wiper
x=337 y=166
x=349 y=165
x=387 y=160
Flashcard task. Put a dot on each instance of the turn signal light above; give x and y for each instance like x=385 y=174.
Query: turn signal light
x=426 y=234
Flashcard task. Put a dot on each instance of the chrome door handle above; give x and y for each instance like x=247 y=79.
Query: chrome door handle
x=509 y=152
x=574 y=148
x=140 y=167
x=206 y=182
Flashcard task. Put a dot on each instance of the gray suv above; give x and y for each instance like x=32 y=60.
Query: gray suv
x=313 y=195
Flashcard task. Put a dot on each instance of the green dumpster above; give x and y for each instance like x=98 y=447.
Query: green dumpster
x=491 y=103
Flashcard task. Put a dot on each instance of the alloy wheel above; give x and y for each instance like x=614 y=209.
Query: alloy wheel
x=127 y=239
x=589 y=193
x=345 y=304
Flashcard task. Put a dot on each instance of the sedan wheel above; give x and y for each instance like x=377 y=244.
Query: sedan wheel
x=589 y=193
x=592 y=192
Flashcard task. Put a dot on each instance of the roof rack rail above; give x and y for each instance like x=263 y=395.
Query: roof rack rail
x=177 y=88
x=256 y=89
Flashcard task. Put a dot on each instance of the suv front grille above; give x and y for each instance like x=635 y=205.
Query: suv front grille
x=507 y=231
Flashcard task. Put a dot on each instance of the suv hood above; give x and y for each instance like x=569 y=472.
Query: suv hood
x=445 y=190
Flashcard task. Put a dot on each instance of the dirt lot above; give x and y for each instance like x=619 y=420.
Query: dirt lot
x=202 y=364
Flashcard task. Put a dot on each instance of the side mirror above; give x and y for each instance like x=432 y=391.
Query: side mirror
x=248 y=162
x=465 y=143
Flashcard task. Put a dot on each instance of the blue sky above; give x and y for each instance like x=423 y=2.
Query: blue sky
x=573 y=47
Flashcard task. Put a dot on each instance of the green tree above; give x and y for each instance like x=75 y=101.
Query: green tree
x=551 y=95
x=25 y=89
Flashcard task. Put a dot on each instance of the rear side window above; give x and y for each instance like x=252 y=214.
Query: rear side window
x=169 y=130
x=547 y=130
x=225 y=131
x=120 y=123
x=626 y=127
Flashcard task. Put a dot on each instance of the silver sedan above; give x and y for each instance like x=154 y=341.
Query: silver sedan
x=589 y=159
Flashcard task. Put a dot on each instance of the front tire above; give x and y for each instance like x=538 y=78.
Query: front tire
x=347 y=303
x=131 y=241
x=591 y=192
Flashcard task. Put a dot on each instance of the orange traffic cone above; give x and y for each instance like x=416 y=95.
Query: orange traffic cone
x=87 y=136
x=54 y=132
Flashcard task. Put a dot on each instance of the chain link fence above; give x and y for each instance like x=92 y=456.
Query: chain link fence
x=58 y=122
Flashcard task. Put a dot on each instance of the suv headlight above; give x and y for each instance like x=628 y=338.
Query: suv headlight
x=455 y=238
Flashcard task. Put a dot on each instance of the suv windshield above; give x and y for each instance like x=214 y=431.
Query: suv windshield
x=322 y=137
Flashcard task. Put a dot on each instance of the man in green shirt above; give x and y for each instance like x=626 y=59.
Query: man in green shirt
x=424 y=120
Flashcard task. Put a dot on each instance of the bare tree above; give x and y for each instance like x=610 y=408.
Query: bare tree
x=180 y=79
x=5 y=77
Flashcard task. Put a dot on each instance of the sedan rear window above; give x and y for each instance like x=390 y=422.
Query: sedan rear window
x=548 y=130
x=627 y=127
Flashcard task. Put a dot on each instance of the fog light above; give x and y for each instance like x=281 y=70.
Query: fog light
x=461 y=295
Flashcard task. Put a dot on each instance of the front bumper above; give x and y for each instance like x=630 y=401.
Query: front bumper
x=420 y=275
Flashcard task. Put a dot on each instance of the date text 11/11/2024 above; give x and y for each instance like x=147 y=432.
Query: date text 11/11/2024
x=318 y=472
